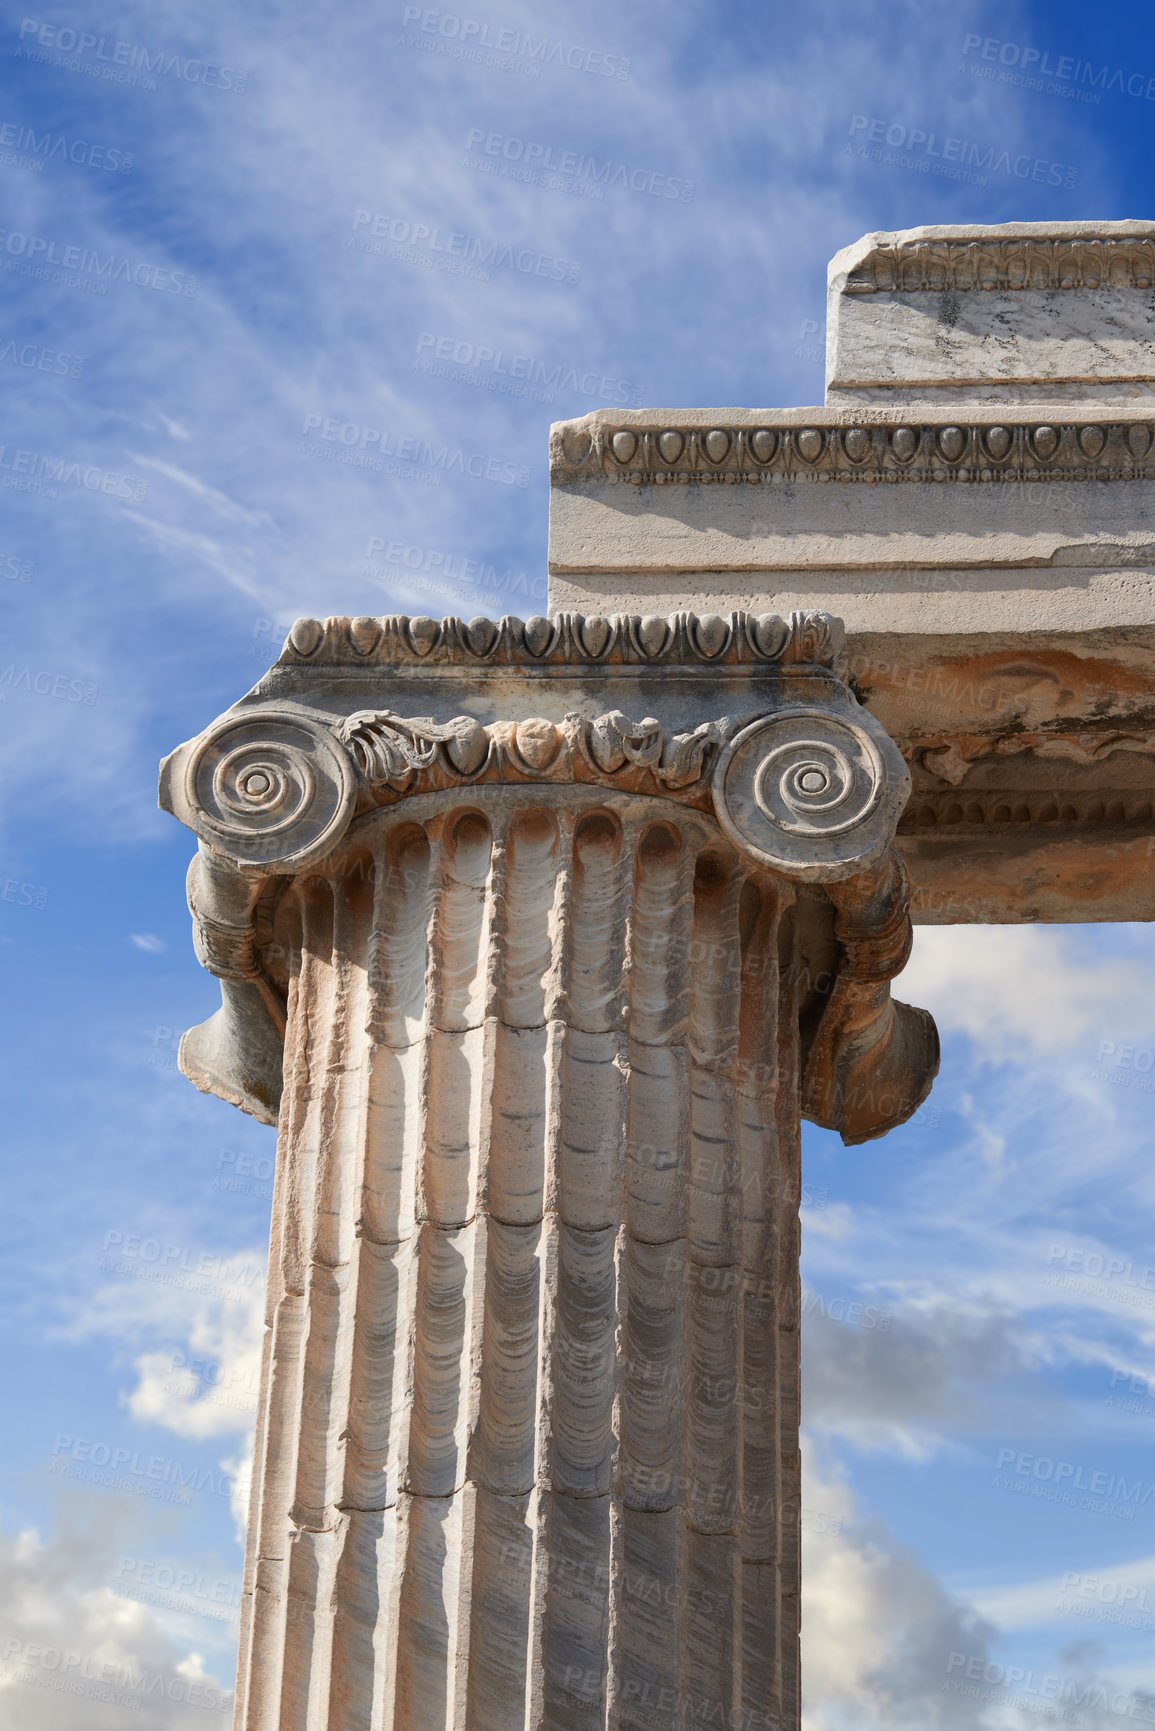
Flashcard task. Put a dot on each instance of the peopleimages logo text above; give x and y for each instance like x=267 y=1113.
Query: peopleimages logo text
x=158 y=1468
x=53 y=144
x=534 y=155
x=39 y=1664
x=433 y=562
x=28 y=471
x=519 y=375
x=38 y=359
x=476 y=33
x=1108 y=1592
x=1075 y=1694
x=1066 y=68
x=1070 y=1474
x=38 y=256
x=468 y=248
x=361 y=443
x=926 y=147
x=118 y=59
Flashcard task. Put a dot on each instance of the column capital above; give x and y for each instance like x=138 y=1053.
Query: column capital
x=745 y=720
x=746 y=717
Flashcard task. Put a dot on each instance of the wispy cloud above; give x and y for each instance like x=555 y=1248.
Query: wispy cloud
x=225 y=322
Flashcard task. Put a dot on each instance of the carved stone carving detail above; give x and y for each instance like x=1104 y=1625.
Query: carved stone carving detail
x=1031 y=262
x=955 y=789
x=399 y=756
x=952 y=761
x=806 y=792
x=800 y=790
x=568 y=640
x=388 y=749
x=264 y=787
x=897 y=450
x=274 y=785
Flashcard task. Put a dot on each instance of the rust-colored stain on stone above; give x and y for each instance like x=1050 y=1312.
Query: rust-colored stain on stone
x=1033 y=876
x=917 y=695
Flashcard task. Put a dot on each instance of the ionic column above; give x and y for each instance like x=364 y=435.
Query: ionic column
x=555 y=988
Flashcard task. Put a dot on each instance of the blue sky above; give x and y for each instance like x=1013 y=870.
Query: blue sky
x=253 y=366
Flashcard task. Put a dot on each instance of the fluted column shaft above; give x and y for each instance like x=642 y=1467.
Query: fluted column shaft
x=529 y=1413
x=540 y=937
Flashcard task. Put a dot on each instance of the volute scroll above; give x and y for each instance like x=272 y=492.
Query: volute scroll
x=266 y=789
x=811 y=793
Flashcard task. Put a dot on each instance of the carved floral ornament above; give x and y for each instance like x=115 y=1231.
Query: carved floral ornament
x=990 y=451
x=812 y=790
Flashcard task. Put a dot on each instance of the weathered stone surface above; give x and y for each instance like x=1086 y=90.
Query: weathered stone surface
x=923 y=545
x=554 y=999
x=533 y=1307
x=740 y=703
x=1033 y=775
x=990 y=550
x=1019 y=312
x=533 y=1303
x=796 y=774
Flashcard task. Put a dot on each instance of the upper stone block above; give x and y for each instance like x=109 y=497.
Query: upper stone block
x=1014 y=312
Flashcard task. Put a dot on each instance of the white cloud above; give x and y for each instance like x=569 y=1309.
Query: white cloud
x=224 y=507
x=1017 y=990
x=240 y=1469
x=148 y=942
x=199 y=1375
x=835 y=1221
x=208 y=1386
x=78 y=1656
x=886 y=1645
x=172 y=427
x=878 y=1629
x=1088 y=1599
